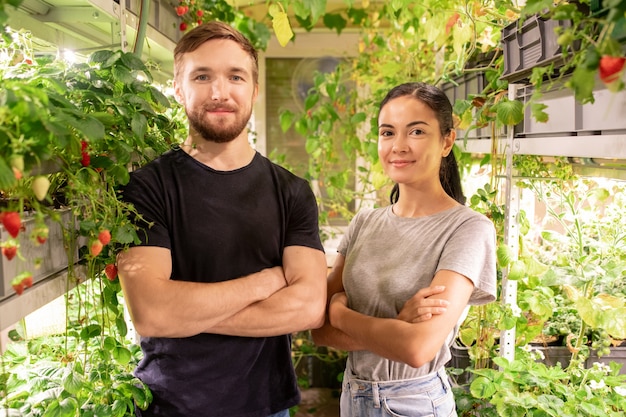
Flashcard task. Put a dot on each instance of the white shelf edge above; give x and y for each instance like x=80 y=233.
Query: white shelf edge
x=610 y=146
x=14 y=307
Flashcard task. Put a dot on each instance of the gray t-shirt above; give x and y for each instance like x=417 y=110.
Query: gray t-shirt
x=390 y=258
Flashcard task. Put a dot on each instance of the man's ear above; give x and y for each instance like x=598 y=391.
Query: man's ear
x=178 y=94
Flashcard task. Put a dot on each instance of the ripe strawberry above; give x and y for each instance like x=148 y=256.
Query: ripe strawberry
x=12 y=222
x=104 y=236
x=199 y=13
x=27 y=281
x=180 y=10
x=21 y=282
x=18 y=287
x=40 y=234
x=9 y=251
x=40 y=187
x=110 y=271
x=95 y=248
x=183 y=26
x=85 y=159
x=611 y=68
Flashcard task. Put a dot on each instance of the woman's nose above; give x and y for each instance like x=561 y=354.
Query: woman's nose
x=400 y=144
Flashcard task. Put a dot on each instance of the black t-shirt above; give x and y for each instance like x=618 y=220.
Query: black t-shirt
x=221 y=225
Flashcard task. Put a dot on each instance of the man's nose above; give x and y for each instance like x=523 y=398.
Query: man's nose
x=218 y=90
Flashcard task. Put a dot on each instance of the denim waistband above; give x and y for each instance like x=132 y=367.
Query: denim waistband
x=375 y=389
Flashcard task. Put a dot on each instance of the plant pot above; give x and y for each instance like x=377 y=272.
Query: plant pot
x=617 y=355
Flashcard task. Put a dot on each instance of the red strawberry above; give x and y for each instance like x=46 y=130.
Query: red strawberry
x=104 y=237
x=18 y=287
x=9 y=251
x=180 y=10
x=95 y=248
x=110 y=271
x=183 y=26
x=85 y=159
x=40 y=234
x=27 y=281
x=21 y=282
x=12 y=222
x=611 y=68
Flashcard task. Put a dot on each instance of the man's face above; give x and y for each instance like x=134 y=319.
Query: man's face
x=216 y=87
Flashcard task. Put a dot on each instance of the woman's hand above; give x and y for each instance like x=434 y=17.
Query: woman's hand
x=421 y=307
x=337 y=303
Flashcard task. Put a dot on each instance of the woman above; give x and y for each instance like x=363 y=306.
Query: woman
x=406 y=272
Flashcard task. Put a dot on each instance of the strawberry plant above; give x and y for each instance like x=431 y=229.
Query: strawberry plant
x=69 y=133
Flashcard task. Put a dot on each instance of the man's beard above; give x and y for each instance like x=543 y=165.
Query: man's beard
x=220 y=131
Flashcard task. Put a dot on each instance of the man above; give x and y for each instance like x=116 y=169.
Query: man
x=230 y=261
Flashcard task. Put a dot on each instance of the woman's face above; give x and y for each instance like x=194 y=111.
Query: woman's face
x=410 y=145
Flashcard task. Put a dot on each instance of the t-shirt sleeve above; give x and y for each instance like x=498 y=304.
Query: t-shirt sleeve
x=303 y=222
x=471 y=252
x=149 y=203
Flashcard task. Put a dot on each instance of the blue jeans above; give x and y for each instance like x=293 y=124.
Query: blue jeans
x=427 y=396
x=284 y=413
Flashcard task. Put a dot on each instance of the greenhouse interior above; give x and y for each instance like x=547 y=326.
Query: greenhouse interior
x=537 y=89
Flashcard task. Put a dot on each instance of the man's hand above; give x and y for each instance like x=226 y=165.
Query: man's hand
x=421 y=307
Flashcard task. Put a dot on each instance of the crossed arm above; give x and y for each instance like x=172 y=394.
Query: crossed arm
x=413 y=337
x=270 y=302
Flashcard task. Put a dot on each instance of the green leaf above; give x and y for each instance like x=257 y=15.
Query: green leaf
x=335 y=21
x=482 y=387
x=139 y=125
x=133 y=62
x=286 y=119
x=509 y=112
x=90 y=331
x=282 y=28
x=582 y=82
x=536 y=6
x=504 y=255
x=121 y=355
x=538 y=113
x=73 y=382
x=102 y=56
x=121 y=325
x=311 y=100
x=311 y=145
x=7 y=178
x=517 y=270
x=358 y=118
x=317 y=7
